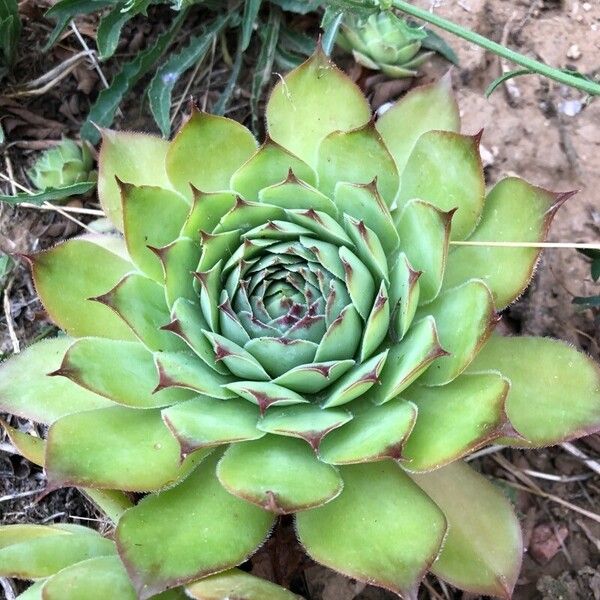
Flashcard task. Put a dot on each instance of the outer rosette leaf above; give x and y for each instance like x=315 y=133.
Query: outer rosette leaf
x=239 y=585
x=120 y=158
x=34 y=551
x=38 y=396
x=67 y=277
x=206 y=152
x=514 y=211
x=444 y=168
x=421 y=110
x=192 y=530
x=387 y=531
x=294 y=103
x=555 y=390
x=483 y=549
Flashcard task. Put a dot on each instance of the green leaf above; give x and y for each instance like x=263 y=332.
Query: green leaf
x=237 y=584
x=49 y=194
x=483 y=549
x=264 y=63
x=104 y=108
x=425 y=234
x=514 y=211
x=587 y=301
x=107 y=368
x=438 y=44
x=152 y=218
x=189 y=531
x=491 y=88
x=422 y=109
x=374 y=433
x=407 y=360
x=65 y=10
x=387 y=531
x=39 y=397
x=125 y=448
x=251 y=8
x=280 y=474
x=10 y=30
x=268 y=166
x=204 y=422
x=357 y=156
x=94 y=579
x=166 y=76
x=465 y=317
x=68 y=275
x=315 y=87
x=455 y=419
x=111 y=24
x=454 y=177
x=29 y=446
x=555 y=390
x=206 y=151
x=119 y=158
x=140 y=302
x=36 y=551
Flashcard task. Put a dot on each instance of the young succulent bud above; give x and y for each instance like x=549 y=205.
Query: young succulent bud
x=384 y=42
x=62 y=166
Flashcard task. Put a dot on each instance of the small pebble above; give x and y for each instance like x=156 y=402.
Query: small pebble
x=574 y=52
x=586 y=6
x=570 y=108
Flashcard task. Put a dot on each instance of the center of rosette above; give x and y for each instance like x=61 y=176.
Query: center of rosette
x=298 y=303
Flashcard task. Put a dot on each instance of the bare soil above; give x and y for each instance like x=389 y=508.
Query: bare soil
x=535 y=128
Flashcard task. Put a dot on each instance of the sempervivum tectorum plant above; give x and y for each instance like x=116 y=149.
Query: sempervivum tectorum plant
x=286 y=328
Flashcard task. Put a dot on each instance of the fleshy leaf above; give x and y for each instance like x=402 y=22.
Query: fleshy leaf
x=239 y=585
x=425 y=234
x=357 y=156
x=313 y=377
x=189 y=531
x=108 y=367
x=465 y=318
x=205 y=422
x=140 y=302
x=373 y=434
x=280 y=474
x=68 y=275
x=404 y=296
x=445 y=170
x=153 y=217
x=120 y=157
x=514 y=211
x=206 y=152
x=387 y=531
x=454 y=419
x=37 y=396
x=265 y=393
x=306 y=421
x=316 y=87
x=114 y=447
x=421 y=110
x=186 y=370
x=483 y=549
x=268 y=166
x=555 y=390
x=407 y=360
x=293 y=194
x=35 y=551
x=363 y=202
x=94 y=579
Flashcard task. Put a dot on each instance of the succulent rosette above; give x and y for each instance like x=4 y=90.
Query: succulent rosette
x=289 y=328
x=384 y=42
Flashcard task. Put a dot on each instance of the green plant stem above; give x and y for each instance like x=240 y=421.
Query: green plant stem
x=529 y=63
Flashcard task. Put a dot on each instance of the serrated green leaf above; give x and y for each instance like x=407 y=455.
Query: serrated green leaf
x=10 y=30
x=49 y=194
x=111 y=24
x=167 y=75
x=103 y=111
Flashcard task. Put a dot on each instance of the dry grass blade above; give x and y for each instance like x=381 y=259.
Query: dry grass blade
x=567 y=245
x=573 y=450
x=9 y=320
x=529 y=486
